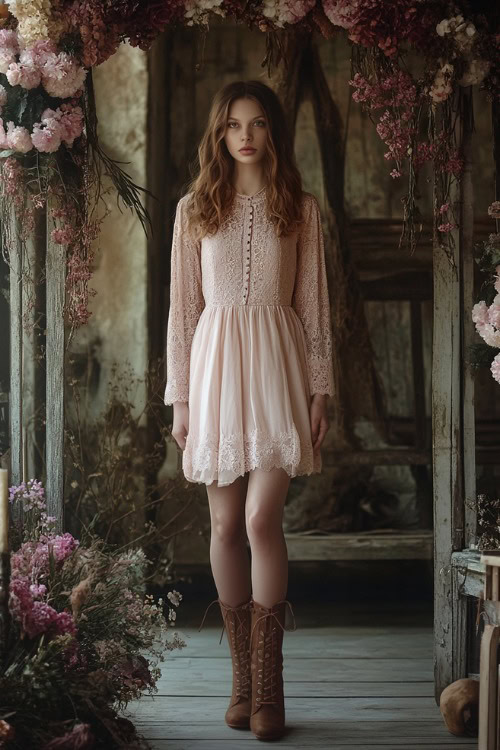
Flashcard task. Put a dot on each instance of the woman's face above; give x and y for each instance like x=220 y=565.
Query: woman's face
x=246 y=126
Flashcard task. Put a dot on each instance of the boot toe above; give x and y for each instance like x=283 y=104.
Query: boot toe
x=238 y=716
x=267 y=723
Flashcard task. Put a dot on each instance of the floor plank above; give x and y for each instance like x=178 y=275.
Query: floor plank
x=345 y=687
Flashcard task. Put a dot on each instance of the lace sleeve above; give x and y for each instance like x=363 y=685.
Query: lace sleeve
x=311 y=300
x=186 y=305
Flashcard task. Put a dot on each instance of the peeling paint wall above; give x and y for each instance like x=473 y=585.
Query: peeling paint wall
x=116 y=331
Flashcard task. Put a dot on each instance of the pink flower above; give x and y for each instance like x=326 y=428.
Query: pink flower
x=446 y=227
x=63 y=236
x=25 y=76
x=495 y=368
x=38 y=589
x=494 y=210
x=9 y=48
x=35 y=616
x=63 y=124
x=63 y=623
x=488 y=334
x=71 y=123
x=444 y=208
x=46 y=136
x=63 y=546
x=340 y=13
x=62 y=76
x=38 y=53
x=480 y=312
x=18 y=138
x=494 y=315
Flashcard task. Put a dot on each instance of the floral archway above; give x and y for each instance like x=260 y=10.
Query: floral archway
x=51 y=164
x=48 y=118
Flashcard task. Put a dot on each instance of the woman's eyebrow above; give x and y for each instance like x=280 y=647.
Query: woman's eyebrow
x=259 y=117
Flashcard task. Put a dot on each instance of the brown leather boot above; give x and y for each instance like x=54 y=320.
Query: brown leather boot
x=267 y=717
x=237 y=624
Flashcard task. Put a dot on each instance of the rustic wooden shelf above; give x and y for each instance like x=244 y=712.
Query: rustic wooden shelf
x=386 y=545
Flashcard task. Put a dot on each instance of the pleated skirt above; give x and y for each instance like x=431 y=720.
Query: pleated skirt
x=248 y=395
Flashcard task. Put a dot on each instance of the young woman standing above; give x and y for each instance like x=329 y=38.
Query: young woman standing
x=249 y=369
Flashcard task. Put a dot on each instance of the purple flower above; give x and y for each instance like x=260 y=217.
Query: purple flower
x=31 y=493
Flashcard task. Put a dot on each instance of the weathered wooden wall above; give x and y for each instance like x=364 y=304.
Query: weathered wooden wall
x=117 y=330
x=231 y=52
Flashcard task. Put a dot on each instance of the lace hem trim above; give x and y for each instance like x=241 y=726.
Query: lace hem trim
x=230 y=456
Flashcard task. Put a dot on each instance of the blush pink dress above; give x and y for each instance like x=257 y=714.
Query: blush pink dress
x=248 y=341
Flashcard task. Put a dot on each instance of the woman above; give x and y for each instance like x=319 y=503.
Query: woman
x=249 y=369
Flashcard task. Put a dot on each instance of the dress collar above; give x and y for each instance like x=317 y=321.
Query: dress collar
x=257 y=197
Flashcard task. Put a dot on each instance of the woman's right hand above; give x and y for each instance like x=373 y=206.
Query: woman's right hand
x=181 y=423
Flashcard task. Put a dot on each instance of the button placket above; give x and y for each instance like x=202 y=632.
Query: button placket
x=247 y=255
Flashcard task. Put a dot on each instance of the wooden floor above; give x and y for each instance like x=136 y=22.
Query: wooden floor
x=356 y=676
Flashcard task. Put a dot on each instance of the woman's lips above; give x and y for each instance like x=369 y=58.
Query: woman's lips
x=247 y=150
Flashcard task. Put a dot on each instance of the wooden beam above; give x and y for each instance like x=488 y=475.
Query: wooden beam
x=468 y=330
x=382 y=545
x=56 y=273
x=446 y=431
x=16 y=350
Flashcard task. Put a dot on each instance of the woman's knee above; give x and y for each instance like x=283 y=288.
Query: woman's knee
x=262 y=523
x=228 y=531
x=227 y=514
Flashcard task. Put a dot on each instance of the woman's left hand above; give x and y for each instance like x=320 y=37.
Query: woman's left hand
x=319 y=419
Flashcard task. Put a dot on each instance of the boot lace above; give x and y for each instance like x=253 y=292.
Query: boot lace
x=268 y=658
x=240 y=643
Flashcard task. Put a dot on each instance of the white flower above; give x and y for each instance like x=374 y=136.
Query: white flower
x=197 y=11
x=443 y=27
x=286 y=11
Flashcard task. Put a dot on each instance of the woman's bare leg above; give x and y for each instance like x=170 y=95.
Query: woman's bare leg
x=266 y=495
x=228 y=550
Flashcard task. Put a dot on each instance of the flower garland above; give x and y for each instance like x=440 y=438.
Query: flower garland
x=79 y=625
x=48 y=48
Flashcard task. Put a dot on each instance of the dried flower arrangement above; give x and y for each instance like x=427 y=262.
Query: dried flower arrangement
x=108 y=471
x=83 y=639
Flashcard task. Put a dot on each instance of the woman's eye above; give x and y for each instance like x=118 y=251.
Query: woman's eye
x=257 y=121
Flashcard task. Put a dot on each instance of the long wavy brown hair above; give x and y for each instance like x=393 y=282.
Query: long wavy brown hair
x=212 y=190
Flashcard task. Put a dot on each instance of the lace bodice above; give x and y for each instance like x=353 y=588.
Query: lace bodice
x=246 y=263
